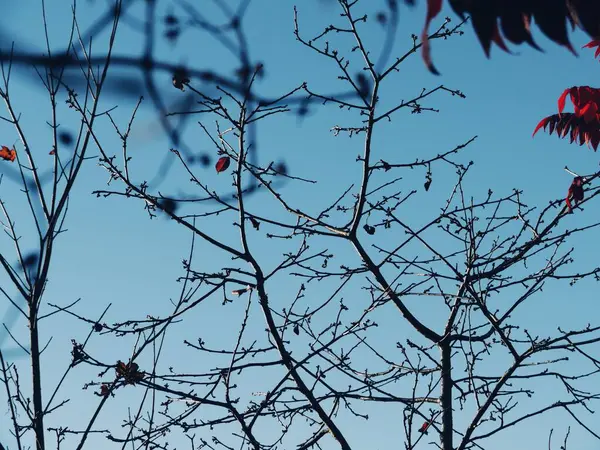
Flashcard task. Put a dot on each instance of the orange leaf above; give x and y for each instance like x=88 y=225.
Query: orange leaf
x=7 y=154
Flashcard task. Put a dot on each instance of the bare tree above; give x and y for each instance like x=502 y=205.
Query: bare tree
x=352 y=321
x=348 y=305
x=34 y=206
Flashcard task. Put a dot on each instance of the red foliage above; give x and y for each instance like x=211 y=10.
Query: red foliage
x=433 y=9
x=595 y=43
x=222 y=164
x=583 y=125
x=586 y=101
x=494 y=20
x=568 y=124
x=7 y=154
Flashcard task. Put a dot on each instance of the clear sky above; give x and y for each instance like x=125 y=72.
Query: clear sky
x=113 y=254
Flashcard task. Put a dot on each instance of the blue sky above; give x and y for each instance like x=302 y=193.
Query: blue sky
x=113 y=254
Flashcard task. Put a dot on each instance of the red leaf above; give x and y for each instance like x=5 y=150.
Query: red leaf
x=580 y=97
x=584 y=138
x=592 y=44
x=516 y=25
x=578 y=129
x=543 y=124
x=550 y=16
x=433 y=9
x=7 y=154
x=498 y=40
x=562 y=100
x=586 y=105
x=424 y=427
x=574 y=134
x=222 y=164
x=595 y=139
x=563 y=132
x=551 y=127
x=569 y=204
x=121 y=368
x=589 y=111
